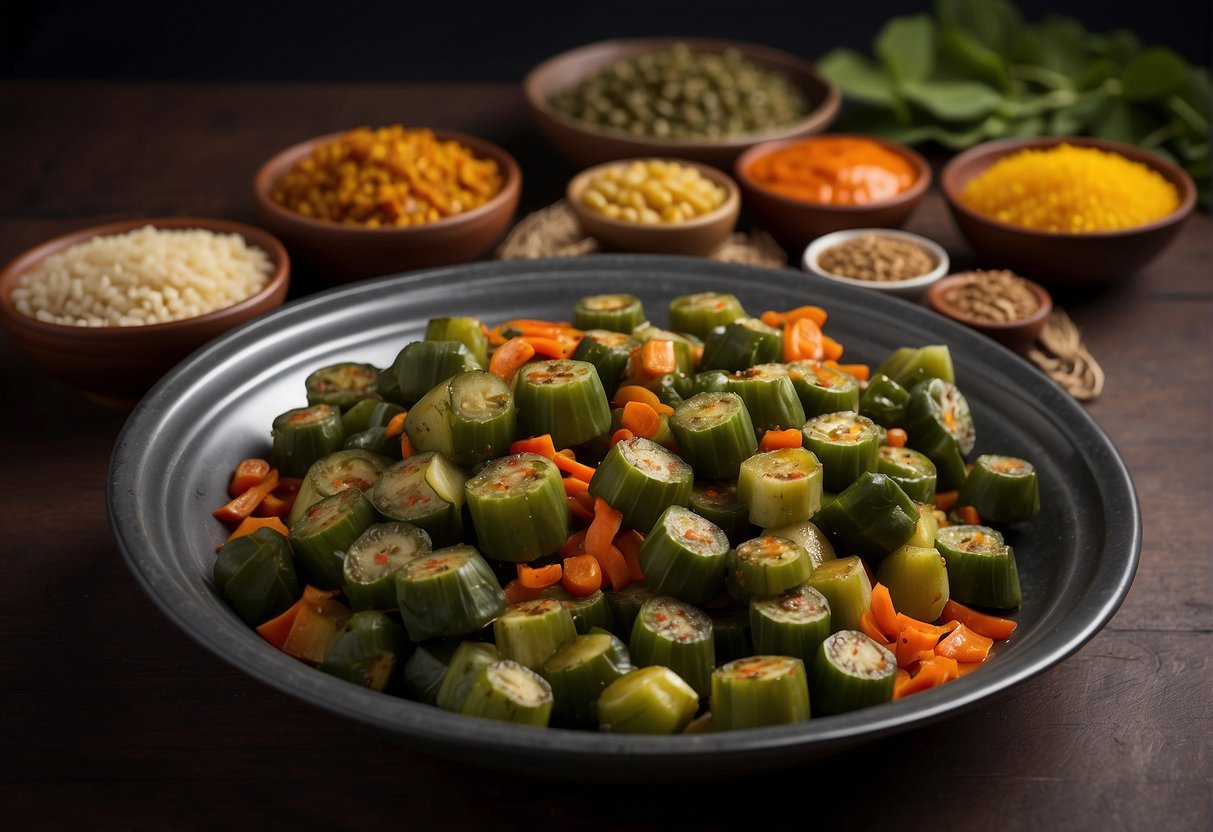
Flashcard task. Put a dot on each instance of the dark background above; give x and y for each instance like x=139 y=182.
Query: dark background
x=331 y=40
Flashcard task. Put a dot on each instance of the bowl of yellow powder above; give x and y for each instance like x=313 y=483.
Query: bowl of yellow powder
x=1070 y=211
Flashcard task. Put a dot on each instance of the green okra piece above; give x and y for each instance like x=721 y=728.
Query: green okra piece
x=342 y=385
x=579 y=671
x=334 y=473
x=847 y=445
x=719 y=503
x=980 y=566
x=911 y=469
x=700 y=313
x=740 y=345
x=917 y=581
x=468 y=331
x=884 y=401
x=677 y=635
x=420 y=366
x=641 y=479
x=780 y=487
x=648 y=700
x=844 y=583
x=806 y=533
x=425 y=490
x=529 y=632
x=374 y=440
x=370 y=651
x=469 y=418
x=793 y=623
x=757 y=691
x=616 y=312
x=731 y=634
x=852 y=671
x=766 y=565
x=368 y=413
x=938 y=422
x=624 y=606
x=508 y=692
x=609 y=353
x=372 y=560
x=871 y=517
x=327 y=528
x=426 y=668
x=714 y=434
x=469 y=658
x=769 y=396
x=588 y=612
x=910 y=365
x=1003 y=489
x=255 y=574
x=449 y=592
x=684 y=556
x=304 y=435
x=518 y=507
x=563 y=398
x=823 y=389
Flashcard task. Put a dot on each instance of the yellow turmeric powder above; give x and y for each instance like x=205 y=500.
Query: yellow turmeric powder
x=388 y=177
x=1072 y=190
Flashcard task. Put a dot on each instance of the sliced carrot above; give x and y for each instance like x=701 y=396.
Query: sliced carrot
x=578 y=510
x=274 y=506
x=802 y=340
x=277 y=629
x=250 y=524
x=509 y=357
x=965 y=668
x=636 y=393
x=620 y=435
x=615 y=568
x=248 y=473
x=896 y=437
x=965 y=645
x=629 y=543
x=640 y=419
x=657 y=358
x=516 y=593
x=575 y=545
x=831 y=350
x=914 y=645
x=946 y=500
x=904 y=622
x=814 y=313
x=883 y=612
x=541 y=445
x=929 y=675
x=775 y=439
x=968 y=515
x=572 y=467
x=601 y=534
x=582 y=575
x=574 y=486
x=549 y=347
x=243 y=505
x=406 y=447
x=539 y=577
x=867 y=623
x=395 y=426
x=989 y=626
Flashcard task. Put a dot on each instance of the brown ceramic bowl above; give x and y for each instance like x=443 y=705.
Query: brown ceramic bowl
x=1058 y=259
x=350 y=252
x=796 y=222
x=695 y=237
x=586 y=145
x=116 y=365
x=1015 y=335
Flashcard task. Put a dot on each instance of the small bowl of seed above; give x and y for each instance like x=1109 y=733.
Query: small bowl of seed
x=1000 y=304
x=896 y=262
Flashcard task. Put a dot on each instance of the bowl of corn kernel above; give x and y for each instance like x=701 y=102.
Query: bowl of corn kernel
x=659 y=206
x=375 y=201
x=1071 y=212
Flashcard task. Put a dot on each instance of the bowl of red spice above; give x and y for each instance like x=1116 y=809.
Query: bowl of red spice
x=799 y=189
x=1000 y=304
x=895 y=262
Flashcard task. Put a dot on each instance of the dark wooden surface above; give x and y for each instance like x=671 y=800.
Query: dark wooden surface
x=112 y=717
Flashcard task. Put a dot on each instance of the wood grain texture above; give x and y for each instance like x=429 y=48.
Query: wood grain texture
x=112 y=718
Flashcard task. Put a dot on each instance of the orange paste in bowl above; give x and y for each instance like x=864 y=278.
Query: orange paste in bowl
x=834 y=170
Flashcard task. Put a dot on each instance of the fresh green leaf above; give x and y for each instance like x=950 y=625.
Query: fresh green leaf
x=961 y=57
x=1030 y=126
x=994 y=23
x=1061 y=44
x=906 y=45
x=1153 y=74
x=1096 y=72
x=1120 y=121
x=858 y=77
x=1119 y=46
x=953 y=100
x=1196 y=93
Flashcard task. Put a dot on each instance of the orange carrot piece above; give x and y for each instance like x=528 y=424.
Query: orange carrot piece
x=914 y=645
x=969 y=515
x=904 y=622
x=883 y=612
x=274 y=506
x=990 y=626
x=802 y=340
x=929 y=675
x=615 y=568
x=582 y=575
x=946 y=500
x=601 y=534
x=629 y=543
x=814 y=313
x=636 y=393
x=574 y=486
x=575 y=545
x=657 y=358
x=395 y=426
x=831 y=350
x=578 y=510
x=964 y=645
x=867 y=623
x=620 y=435
x=406 y=447
x=640 y=419
x=248 y=473
x=250 y=524
x=896 y=437
x=509 y=358
x=277 y=629
x=548 y=347
x=541 y=445
x=540 y=577
x=515 y=592
x=965 y=668
x=775 y=439
x=243 y=505
x=572 y=467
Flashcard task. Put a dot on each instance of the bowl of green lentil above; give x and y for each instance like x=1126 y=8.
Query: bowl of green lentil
x=1072 y=212
x=700 y=99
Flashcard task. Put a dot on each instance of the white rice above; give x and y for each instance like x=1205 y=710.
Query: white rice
x=146 y=276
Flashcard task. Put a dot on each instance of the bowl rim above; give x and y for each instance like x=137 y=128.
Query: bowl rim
x=821 y=113
x=813 y=251
x=937 y=302
x=917 y=188
x=731 y=204
x=277 y=166
x=26 y=260
x=1001 y=148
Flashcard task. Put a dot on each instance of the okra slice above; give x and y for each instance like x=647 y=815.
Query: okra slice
x=769 y=396
x=917 y=580
x=374 y=440
x=564 y=398
x=758 y=691
x=677 y=635
x=368 y=413
x=684 y=556
x=852 y=671
x=927 y=526
x=449 y=592
x=871 y=517
x=341 y=385
x=648 y=700
x=710 y=381
x=741 y=344
x=588 y=613
x=369 y=652
x=939 y=423
x=910 y=365
x=847 y=445
x=781 y=487
x=334 y=473
x=731 y=634
x=468 y=331
x=325 y=531
x=255 y=574
x=372 y=561
x=823 y=389
x=304 y=435
x=518 y=507
x=911 y=469
x=641 y=479
x=806 y=533
x=884 y=401
x=469 y=419
x=671 y=389
x=792 y=623
x=579 y=671
x=624 y=606
x=426 y=668
x=618 y=312
x=425 y=490
x=981 y=567
x=609 y=352
x=714 y=434
x=766 y=565
x=1003 y=489
x=420 y=366
x=508 y=692
x=686 y=346
x=469 y=658
x=702 y=312
x=529 y=632
x=844 y=583
x=718 y=502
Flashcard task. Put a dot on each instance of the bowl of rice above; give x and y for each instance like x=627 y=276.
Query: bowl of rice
x=1071 y=211
x=110 y=309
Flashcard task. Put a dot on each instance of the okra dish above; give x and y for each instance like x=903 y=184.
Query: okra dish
x=606 y=525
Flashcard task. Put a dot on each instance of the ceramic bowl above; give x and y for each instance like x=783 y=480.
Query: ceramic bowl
x=116 y=365
x=1015 y=335
x=349 y=252
x=696 y=237
x=796 y=222
x=912 y=289
x=586 y=145
x=1059 y=259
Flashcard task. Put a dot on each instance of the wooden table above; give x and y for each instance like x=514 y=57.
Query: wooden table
x=111 y=716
